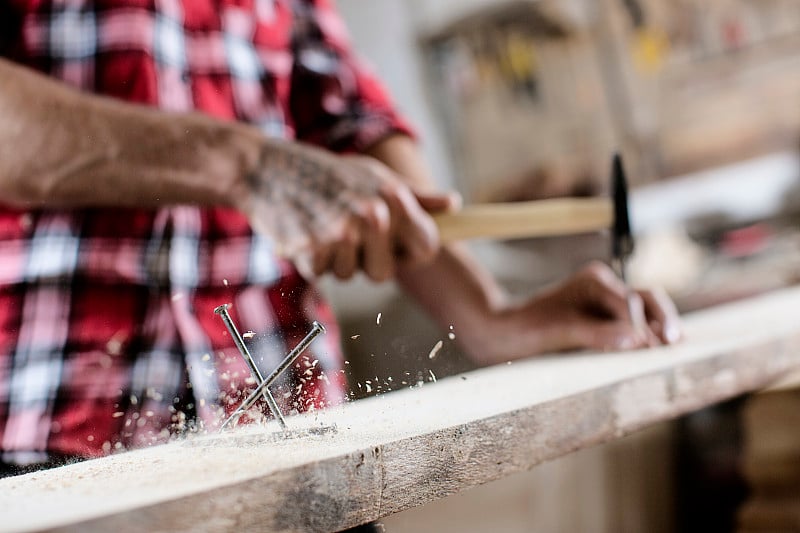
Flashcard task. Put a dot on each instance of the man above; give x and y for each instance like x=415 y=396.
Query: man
x=173 y=155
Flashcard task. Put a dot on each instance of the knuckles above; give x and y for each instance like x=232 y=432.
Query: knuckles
x=596 y=271
x=380 y=276
x=637 y=302
x=426 y=249
x=374 y=215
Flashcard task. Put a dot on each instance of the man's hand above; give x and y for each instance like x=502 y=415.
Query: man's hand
x=340 y=214
x=325 y=212
x=588 y=311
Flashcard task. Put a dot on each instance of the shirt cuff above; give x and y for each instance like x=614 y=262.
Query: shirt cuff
x=359 y=133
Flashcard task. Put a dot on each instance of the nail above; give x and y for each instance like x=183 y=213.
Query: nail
x=316 y=330
x=222 y=311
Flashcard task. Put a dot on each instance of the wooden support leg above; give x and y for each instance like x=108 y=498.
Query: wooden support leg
x=772 y=463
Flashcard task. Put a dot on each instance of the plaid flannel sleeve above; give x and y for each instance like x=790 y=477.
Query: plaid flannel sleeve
x=337 y=101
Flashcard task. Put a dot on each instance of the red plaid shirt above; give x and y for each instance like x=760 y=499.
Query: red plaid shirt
x=107 y=336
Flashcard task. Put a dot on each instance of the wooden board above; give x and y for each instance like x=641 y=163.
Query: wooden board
x=411 y=447
x=789 y=381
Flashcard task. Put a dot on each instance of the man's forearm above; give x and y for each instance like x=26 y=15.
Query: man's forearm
x=63 y=148
x=455 y=289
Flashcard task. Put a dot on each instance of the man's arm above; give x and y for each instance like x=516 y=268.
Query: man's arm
x=587 y=311
x=63 y=148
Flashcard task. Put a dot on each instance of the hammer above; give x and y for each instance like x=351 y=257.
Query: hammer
x=544 y=218
x=547 y=218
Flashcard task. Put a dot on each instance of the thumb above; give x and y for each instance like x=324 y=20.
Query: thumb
x=436 y=202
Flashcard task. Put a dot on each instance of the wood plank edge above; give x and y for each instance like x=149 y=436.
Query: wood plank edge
x=374 y=482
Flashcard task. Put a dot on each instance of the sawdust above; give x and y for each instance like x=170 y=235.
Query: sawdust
x=196 y=465
x=435 y=350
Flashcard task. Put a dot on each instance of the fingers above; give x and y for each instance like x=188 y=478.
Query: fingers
x=375 y=241
x=414 y=237
x=346 y=214
x=378 y=245
x=651 y=315
x=610 y=337
x=662 y=315
x=599 y=289
x=364 y=244
x=346 y=260
x=415 y=233
x=321 y=259
x=439 y=202
x=637 y=319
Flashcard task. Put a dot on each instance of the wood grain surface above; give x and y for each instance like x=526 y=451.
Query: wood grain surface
x=407 y=448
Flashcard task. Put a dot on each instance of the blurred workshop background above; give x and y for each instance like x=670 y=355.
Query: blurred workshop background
x=521 y=100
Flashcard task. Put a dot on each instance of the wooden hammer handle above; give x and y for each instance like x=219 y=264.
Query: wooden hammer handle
x=562 y=216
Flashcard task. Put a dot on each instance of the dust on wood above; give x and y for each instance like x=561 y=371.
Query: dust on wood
x=410 y=447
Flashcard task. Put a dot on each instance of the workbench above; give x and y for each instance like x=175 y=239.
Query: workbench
x=410 y=447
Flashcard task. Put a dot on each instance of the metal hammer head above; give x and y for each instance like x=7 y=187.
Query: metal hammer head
x=621 y=236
